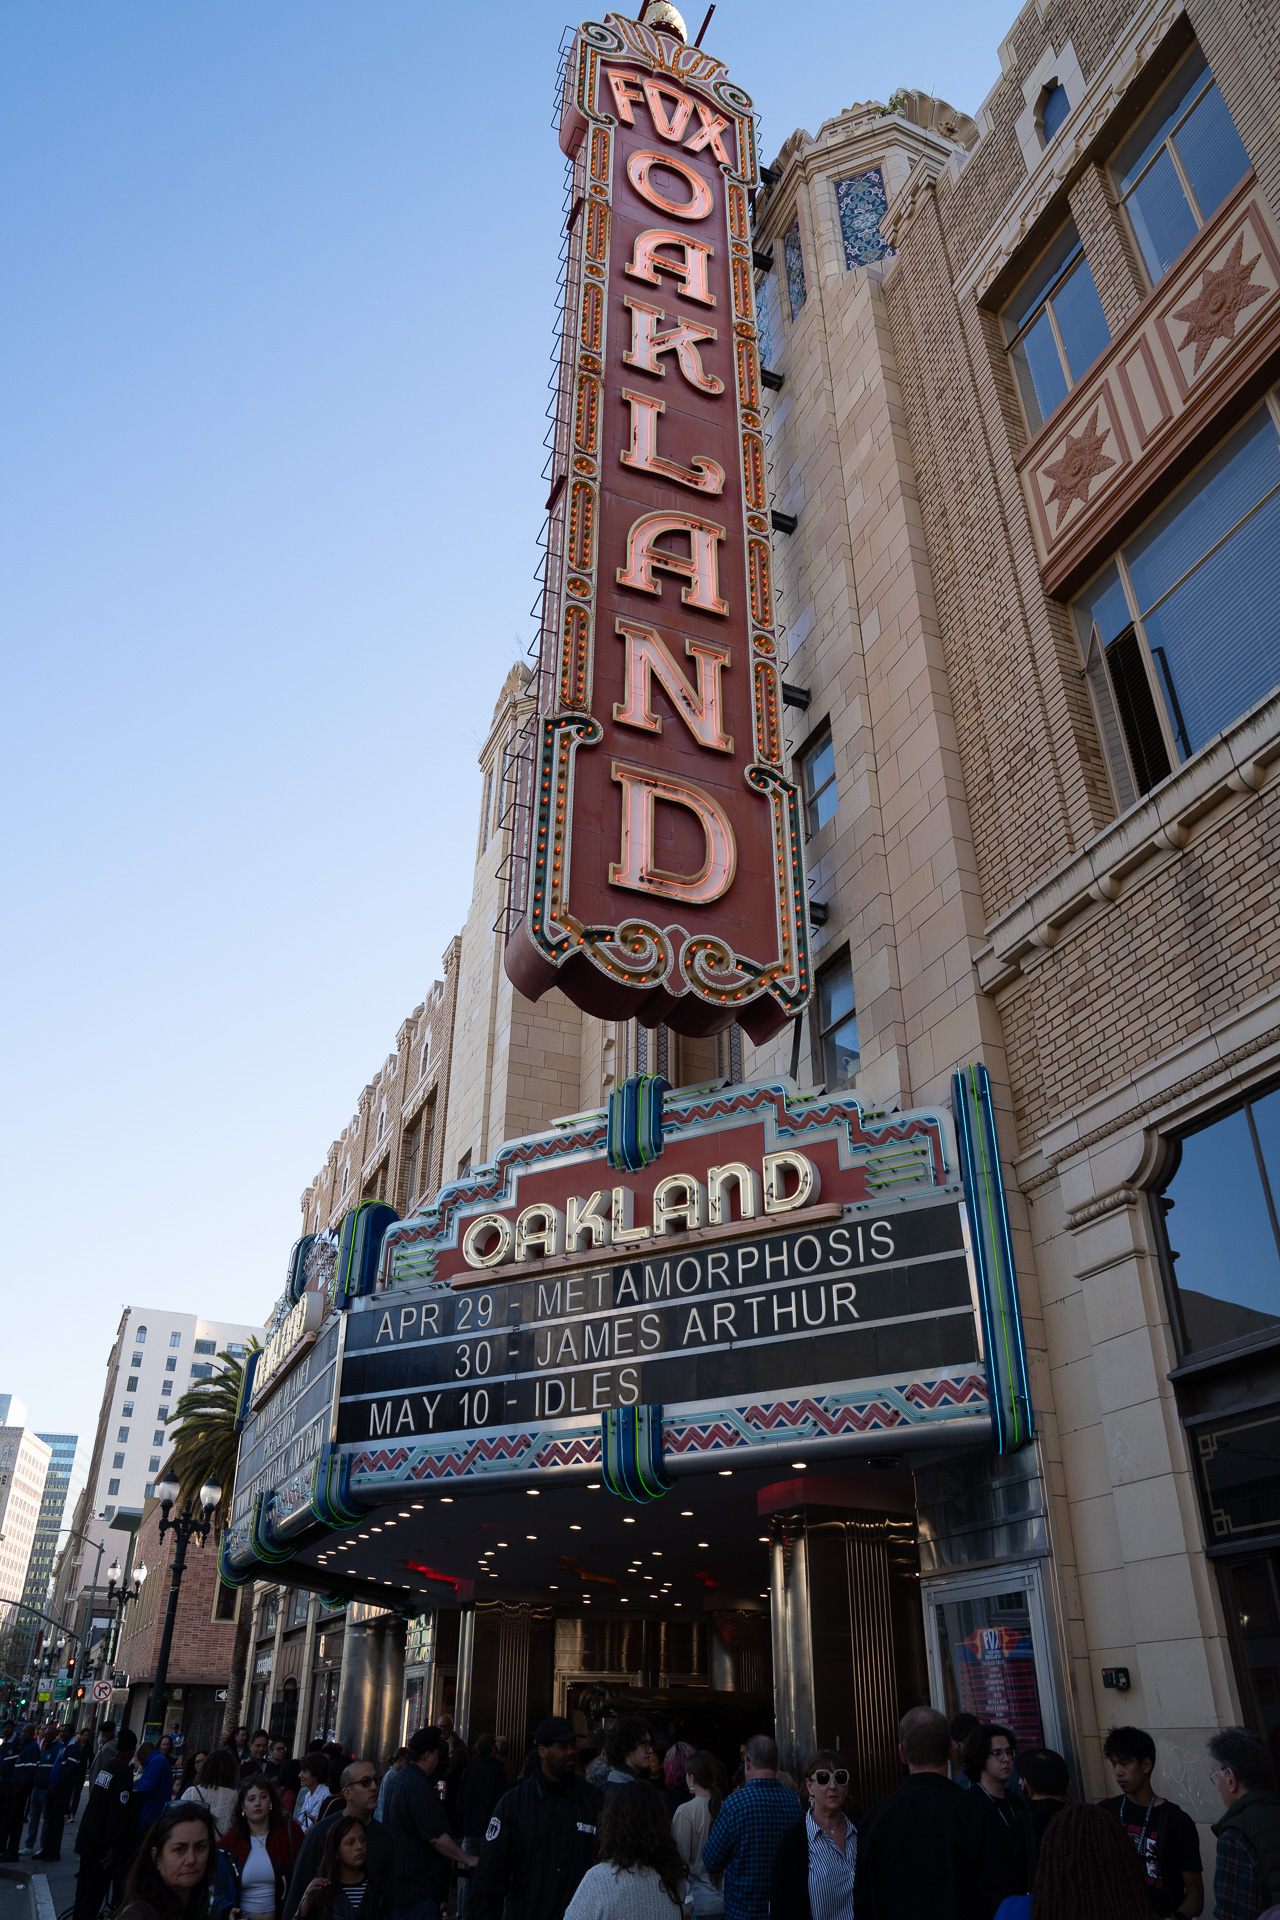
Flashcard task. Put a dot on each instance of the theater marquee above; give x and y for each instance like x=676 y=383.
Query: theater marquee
x=661 y=874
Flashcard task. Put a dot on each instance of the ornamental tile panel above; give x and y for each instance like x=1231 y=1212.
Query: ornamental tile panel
x=1205 y=330
x=862 y=204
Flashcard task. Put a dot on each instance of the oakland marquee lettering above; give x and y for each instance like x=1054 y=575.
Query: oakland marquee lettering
x=662 y=861
x=842 y=1301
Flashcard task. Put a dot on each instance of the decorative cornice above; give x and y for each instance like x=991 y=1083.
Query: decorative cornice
x=1238 y=764
x=1109 y=1203
x=1068 y=153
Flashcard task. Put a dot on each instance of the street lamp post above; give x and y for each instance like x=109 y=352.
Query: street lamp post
x=187 y=1526
x=119 y=1595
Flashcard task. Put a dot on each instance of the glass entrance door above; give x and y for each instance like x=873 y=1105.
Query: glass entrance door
x=990 y=1652
x=1251 y=1588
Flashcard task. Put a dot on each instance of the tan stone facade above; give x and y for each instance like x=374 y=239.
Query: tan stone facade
x=992 y=873
x=1113 y=957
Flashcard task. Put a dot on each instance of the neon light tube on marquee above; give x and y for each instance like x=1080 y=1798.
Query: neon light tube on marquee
x=662 y=839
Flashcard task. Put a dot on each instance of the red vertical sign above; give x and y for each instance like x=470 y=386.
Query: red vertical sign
x=662 y=873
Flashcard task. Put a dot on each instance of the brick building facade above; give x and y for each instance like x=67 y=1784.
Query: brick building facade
x=203 y=1636
x=1053 y=832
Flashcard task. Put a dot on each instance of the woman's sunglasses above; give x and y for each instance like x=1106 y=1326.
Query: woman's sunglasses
x=823 y=1776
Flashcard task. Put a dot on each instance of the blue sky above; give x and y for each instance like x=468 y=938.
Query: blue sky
x=273 y=362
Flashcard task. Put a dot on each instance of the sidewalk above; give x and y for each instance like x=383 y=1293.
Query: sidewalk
x=54 y=1882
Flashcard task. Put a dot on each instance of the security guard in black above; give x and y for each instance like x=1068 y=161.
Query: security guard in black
x=542 y=1837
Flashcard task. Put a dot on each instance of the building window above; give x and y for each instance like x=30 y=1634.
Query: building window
x=837 y=1023
x=1055 y=327
x=166 y=1388
x=464 y=1165
x=862 y=205
x=157 y=1439
x=236 y=1349
x=139 y=1338
x=1179 y=164
x=797 y=292
x=1181 y=633
x=1054 y=108
x=1218 y=1206
x=201 y=1370
x=206 y=1346
x=426 y=1057
x=126 y=1411
x=122 y=1436
x=131 y=1384
x=818 y=774
x=148 y=1492
x=108 y=1513
x=113 y=1486
x=153 y=1464
x=118 y=1461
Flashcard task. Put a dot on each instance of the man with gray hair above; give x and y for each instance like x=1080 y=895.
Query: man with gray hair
x=1246 y=1876
x=744 y=1838
x=923 y=1852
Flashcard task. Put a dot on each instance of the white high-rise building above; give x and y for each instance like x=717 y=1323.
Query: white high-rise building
x=24 y=1463
x=156 y=1356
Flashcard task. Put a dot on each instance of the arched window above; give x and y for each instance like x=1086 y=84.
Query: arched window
x=140 y=1335
x=1054 y=108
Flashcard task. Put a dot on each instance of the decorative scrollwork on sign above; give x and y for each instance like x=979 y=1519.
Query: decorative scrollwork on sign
x=636 y=952
x=607 y=39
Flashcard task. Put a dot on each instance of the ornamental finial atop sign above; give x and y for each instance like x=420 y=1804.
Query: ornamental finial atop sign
x=661 y=870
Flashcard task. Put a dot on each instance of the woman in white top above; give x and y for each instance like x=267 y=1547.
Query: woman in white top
x=313 y=1770
x=264 y=1843
x=640 y=1875
x=215 y=1787
x=690 y=1825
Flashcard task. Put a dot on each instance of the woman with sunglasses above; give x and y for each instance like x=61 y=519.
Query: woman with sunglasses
x=813 y=1867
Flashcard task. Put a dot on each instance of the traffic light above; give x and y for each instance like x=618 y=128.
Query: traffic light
x=80 y=1692
x=71 y=1666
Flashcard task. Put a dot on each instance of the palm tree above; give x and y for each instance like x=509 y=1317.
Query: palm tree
x=205 y=1447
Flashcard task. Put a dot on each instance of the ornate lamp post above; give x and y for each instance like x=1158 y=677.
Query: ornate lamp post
x=187 y=1526
x=119 y=1594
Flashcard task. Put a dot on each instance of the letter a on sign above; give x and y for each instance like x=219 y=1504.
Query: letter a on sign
x=658 y=871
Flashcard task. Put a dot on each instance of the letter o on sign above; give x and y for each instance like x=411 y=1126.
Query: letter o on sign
x=476 y=1248
x=697 y=207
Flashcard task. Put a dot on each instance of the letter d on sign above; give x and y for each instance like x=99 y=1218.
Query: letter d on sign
x=638 y=867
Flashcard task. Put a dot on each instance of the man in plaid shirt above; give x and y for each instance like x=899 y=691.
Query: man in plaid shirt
x=1246 y=1878
x=744 y=1839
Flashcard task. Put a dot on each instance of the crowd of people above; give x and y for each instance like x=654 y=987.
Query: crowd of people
x=633 y=1829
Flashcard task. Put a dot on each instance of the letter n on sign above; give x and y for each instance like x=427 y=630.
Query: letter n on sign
x=658 y=867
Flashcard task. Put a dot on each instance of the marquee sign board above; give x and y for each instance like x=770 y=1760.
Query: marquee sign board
x=661 y=874
x=789 y=1271
x=281 y=1444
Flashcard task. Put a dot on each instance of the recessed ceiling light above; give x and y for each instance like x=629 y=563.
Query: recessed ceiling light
x=533 y=1492
x=704 y=1543
x=627 y=1520
x=574 y=1527
x=686 y=1513
x=446 y=1500
x=364 y=1536
x=726 y=1473
x=417 y=1507
x=553 y=1588
x=799 y=1465
x=764 y=1539
x=657 y=1553
x=502 y=1543
x=625 y=1601
x=679 y=1603
x=378 y=1529
x=531 y=1536
x=404 y=1513
x=593 y=1486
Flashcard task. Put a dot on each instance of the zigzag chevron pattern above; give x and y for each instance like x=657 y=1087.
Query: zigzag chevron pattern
x=914 y=1403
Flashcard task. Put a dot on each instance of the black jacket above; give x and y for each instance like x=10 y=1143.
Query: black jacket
x=537 y=1846
x=109 y=1823
x=925 y=1852
x=482 y=1785
x=377 y=1863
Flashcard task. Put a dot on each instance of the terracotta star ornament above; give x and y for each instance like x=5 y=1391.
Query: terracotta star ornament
x=1224 y=294
x=1083 y=459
